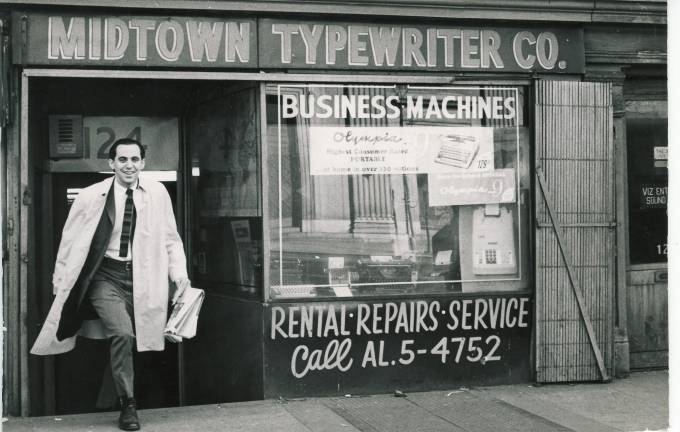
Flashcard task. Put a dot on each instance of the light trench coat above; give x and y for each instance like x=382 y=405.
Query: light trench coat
x=157 y=257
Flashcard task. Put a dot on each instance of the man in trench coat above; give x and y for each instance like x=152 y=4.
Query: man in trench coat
x=118 y=252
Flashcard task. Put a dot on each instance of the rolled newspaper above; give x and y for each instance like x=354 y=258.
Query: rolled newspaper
x=184 y=317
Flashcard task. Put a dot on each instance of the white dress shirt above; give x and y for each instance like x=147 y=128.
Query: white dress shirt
x=114 y=244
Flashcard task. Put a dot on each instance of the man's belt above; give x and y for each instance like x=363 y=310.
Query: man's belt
x=114 y=264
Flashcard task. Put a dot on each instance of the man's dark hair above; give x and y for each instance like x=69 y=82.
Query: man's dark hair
x=125 y=141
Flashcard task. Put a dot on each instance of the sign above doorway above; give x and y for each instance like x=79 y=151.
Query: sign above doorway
x=265 y=43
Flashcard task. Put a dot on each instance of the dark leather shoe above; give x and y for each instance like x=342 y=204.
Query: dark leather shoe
x=128 y=420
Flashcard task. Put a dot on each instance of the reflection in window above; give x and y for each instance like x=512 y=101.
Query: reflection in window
x=393 y=190
x=226 y=221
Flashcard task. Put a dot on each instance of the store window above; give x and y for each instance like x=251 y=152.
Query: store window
x=226 y=216
x=393 y=190
x=647 y=142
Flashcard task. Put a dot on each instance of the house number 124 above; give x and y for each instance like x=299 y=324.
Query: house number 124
x=108 y=136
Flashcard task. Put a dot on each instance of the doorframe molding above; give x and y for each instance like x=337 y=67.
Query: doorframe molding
x=311 y=77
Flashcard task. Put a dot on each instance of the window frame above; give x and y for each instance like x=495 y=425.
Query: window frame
x=270 y=88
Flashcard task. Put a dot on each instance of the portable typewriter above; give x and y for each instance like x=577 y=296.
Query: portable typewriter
x=457 y=150
x=384 y=272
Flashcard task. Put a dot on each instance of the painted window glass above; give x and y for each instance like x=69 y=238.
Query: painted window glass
x=392 y=190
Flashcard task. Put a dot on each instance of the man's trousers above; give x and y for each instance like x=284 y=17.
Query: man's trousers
x=110 y=293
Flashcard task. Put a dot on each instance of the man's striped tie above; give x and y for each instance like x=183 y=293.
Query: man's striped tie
x=128 y=230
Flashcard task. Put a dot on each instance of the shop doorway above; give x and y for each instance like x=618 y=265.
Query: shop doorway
x=72 y=122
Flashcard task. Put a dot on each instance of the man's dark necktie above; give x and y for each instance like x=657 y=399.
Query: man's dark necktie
x=128 y=230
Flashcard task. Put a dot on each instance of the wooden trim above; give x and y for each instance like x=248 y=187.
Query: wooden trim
x=628 y=44
x=626 y=57
x=621 y=196
x=640 y=11
x=647 y=267
x=264 y=190
x=24 y=253
x=266 y=232
x=635 y=12
x=12 y=288
x=4 y=250
x=311 y=77
x=235 y=76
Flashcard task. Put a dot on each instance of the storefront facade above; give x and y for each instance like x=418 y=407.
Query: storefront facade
x=415 y=197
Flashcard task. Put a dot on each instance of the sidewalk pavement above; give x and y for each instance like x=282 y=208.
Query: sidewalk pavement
x=636 y=403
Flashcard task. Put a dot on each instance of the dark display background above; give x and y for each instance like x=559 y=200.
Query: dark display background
x=648 y=224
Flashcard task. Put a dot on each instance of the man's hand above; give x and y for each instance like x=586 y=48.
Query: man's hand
x=181 y=285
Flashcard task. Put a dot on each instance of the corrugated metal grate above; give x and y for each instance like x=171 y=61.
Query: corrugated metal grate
x=574 y=151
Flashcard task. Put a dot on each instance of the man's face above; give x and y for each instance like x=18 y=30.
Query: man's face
x=128 y=164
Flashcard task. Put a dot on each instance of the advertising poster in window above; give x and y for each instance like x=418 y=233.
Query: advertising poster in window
x=399 y=150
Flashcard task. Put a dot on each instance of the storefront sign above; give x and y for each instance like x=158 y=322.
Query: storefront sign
x=328 y=344
x=180 y=41
x=653 y=196
x=388 y=107
x=137 y=41
x=324 y=45
x=492 y=187
x=399 y=150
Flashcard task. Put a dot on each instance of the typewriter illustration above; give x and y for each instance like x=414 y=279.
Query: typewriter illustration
x=457 y=150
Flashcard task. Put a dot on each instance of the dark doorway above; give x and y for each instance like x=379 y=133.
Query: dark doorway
x=104 y=110
x=204 y=147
